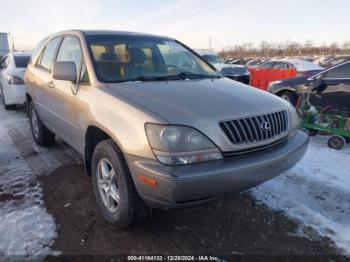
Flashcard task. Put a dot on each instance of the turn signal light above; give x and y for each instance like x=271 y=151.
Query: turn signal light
x=148 y=181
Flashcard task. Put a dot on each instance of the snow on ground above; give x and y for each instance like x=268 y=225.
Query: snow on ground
x=316 y=192
x=25 y=226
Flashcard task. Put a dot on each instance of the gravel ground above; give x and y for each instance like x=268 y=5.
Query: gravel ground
x=237 y=225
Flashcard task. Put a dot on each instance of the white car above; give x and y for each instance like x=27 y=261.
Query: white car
x=12 y=87
x=238 y=73
x=303 y=67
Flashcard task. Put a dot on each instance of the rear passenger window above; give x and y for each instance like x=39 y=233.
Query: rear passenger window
x=342 y=71
x=70 y=51
x=49 y=54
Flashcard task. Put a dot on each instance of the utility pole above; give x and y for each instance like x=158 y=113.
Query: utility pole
x=209 y=43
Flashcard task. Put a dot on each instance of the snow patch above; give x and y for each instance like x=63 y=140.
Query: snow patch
x=26 y=228
x=316 y=192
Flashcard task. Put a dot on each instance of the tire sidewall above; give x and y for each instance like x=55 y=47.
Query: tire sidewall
x=340 y=142
x=292 y=97
x=31 y=109
x=120 y=218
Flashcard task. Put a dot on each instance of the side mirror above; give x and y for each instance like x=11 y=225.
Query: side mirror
x=64 y=71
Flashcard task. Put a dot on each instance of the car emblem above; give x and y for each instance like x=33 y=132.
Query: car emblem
x=265 y=126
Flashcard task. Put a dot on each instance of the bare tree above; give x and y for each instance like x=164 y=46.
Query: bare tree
x=283 y=49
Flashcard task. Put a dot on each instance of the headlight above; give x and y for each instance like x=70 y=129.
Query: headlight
x=180 y=145
x=294 y=120
x=274 y=83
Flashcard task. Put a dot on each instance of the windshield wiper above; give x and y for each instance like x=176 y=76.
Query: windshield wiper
x=180 y=76
x=189 y=75
x=150 y=78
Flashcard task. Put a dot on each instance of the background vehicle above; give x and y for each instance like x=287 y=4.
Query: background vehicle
x=4 y=45
x=304 y=68
x=153 y=133
x=255 y=62
x=235 y=72
x=236 y=61
x=333 y=79
x=12 y=87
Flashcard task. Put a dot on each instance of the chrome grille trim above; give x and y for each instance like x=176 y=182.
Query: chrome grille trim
x=249 y=130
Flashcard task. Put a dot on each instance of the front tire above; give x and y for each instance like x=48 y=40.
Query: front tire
x=289 y=96
x=336 y=142
x=116 y=196
x=42 y=136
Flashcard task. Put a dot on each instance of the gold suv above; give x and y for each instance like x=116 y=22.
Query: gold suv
x=157 y=125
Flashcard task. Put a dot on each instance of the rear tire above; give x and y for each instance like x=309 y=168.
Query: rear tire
x=42 y=136
x=116 y=196
x=289 y=96
x=336 y=142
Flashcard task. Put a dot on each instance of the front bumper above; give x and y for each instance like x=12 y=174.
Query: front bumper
x=182 y=186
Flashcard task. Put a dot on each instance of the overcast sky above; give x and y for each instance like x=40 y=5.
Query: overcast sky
x=193 y=22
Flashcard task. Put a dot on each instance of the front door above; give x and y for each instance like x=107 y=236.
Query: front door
x=335 y=92
x=66 y=94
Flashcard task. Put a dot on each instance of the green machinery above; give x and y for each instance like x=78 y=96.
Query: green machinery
x=325 y=120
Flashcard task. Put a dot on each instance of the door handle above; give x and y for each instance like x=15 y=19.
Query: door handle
x=51 y=84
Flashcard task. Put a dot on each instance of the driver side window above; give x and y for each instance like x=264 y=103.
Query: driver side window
x=342 y=72
x=70 y=51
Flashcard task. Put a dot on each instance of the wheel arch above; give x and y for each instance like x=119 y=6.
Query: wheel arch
x=93 y=136
x=286 y=89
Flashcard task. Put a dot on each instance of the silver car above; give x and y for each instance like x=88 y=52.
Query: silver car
x=155 y=132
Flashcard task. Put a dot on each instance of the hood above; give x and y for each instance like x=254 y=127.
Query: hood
x=189 y=101
x=201 y=103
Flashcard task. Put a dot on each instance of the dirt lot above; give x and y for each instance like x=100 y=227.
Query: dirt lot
x=234 y=226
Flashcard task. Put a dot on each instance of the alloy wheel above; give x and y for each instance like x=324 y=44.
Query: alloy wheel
x=35 y=124
x=107 y=185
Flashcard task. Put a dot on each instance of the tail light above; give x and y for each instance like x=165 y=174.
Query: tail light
x=15 y=80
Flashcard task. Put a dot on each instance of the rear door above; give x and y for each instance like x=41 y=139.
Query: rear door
x=41 y=78
x=336 y=90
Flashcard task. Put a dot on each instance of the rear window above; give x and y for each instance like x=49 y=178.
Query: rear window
x=21 y=61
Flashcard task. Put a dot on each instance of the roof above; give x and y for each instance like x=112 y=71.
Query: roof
x=300 y=64
x=110 y=32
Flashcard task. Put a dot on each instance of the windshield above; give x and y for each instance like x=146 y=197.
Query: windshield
x=21 y=61
x=214 y=59
x=120 y=58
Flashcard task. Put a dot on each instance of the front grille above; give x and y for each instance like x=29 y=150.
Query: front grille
x=255 y=129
